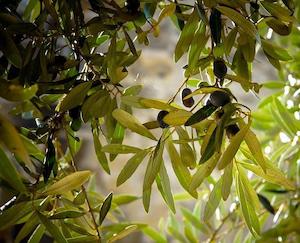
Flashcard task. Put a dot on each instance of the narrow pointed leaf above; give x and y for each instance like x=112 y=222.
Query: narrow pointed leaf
x=105 y=208
x=99 y=153
x=200 y=115
x=226 y=182
x=68 y=183
x=130 y=122
x=266 y=203
x=120 y=149
x=213 y=201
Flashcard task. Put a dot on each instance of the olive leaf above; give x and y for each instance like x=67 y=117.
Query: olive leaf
x=105 y=208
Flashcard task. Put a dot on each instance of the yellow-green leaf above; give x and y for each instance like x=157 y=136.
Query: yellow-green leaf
x=204 y=171
x=11 y=139
x=240 y=20
x=68 y=183
x=16 y=92
x=120 y=149
x=187 y=154
x=156 y=104
x=177 y=117
x=105 y=208
x=181 y=172
x=75 y=97
x=120 y=235
x=272 y=174
x=233 y=147
x=226 y=181
x=131 y=166
x=213 y=201
x=9 y=173
x=129 y=121
x=277 y=11
x=254 y=146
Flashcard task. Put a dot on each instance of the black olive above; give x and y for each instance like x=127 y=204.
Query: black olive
x=133 y=6
x=59 y=60
x=231 y=130
x=13 y=72
x=187 y=102
x=75 y=112
x=220 y=68
x=215 y=24
x=160 y=118
x=219 y=98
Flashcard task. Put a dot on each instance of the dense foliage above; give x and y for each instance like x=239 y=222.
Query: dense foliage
x=62 y=63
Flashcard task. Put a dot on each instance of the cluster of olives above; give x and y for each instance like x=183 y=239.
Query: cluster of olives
x=75 y=114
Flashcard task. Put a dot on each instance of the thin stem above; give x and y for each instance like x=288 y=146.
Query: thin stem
x=174 y=96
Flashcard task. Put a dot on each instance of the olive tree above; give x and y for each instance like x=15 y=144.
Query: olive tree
x=63 y=63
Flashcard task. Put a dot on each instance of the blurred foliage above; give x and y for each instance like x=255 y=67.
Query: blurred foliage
x=62 y=64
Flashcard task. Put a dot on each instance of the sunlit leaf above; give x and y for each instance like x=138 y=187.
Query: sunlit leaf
x=120 y=149
x=129 y=121
x=213 y=201
x=68 y=183
x=16 y=92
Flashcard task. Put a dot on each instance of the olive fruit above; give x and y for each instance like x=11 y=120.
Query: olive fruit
x=203 y=84
x=220 y=68
x=76 y=124
x=133 y=6
x=187 y=102
x=231 y=130
x=219 y=98
x=215 y=24
x=160 y=117
x=74 y=113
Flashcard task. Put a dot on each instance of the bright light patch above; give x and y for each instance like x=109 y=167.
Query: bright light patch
x=249 y=174
x=268 y=150
x=218 y=214
x=232 y=207
x=295 y=140
x=279 y=239
x=297 y=115
x=211 y=187
x=286 y=90
x=292 y=80
x=284 y=138
x=290 y=104
x=269 y=34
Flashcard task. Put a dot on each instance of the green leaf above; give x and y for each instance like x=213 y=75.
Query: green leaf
x=204 y=171
x=195 y=221
x=65 y=214
x=277 y=11
x=181 y=172
x=177 y=117
x=156 y=104
x=272 y=174
x=52 y=228
x=68 y=183
x=163 y=184
x=230 y=40
x=187 y=154
x=11 y=139
x=125 y=232
x=10 y=50
x=240 y=20
x=37 y=234
x=247 y=207
x=254 y=146
x=28 y=227
x=16 y=92
x=99 y=153
x=32 y=148
x=75 y=97
x=213 y=201
x=120 y=149
x=200 y=115
x=130 y=122
x=152 y=170
x=226 y=181
x=233 y=147
x=131 y=166
x=124 y=199
x=105 y=208
x=154 y=235
x=186 y=36
x=275 y=51
x=9 y=173
x=166 y=11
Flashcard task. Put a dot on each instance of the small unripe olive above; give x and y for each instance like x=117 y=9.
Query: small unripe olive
x=76 y=124
x=219 y=98
x=187 y=102
x=160 y=117
x=231 y=130
x=220 y=69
